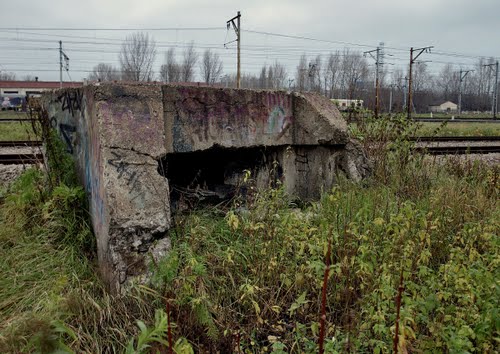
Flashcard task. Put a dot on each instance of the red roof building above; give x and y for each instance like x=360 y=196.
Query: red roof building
x=24 y=88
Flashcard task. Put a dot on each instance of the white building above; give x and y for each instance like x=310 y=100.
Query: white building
x=446 y=107
x=345 y=104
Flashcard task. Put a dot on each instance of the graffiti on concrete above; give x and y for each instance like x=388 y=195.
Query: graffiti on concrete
x=278 y=121
x=280 y=116
x=91 y=156
x=123 y=170
x=130 y=175
x=67 y=131
x=201 y=117
x=71 y=101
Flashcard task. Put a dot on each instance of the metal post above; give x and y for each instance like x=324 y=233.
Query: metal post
x=60 y=64
x=238 y=73
x=460 y=94
x=390 y=99
x=461 y=79
x=494 y=104
x=378 y=63
x=404 y=91
x=377 y=84
x=412 y=61
x=495 y=98
x=408 y=105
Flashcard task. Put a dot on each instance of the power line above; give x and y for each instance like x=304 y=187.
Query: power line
x=21 y=30
x=169 y=44
x=309 y=38
x=445 y=53
x=111 y=29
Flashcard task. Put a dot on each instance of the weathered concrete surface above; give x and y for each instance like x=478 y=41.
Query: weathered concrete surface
x=116 y=135
x=198 y=118
x=123 y=138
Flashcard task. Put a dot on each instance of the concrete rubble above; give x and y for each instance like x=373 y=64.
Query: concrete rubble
x=136 y=144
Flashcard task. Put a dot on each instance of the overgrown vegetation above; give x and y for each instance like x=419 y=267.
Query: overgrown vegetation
x=459 y=129
x=17 y=131
x=250 y=278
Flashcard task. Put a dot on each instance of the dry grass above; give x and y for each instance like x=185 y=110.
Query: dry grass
x=250 y=278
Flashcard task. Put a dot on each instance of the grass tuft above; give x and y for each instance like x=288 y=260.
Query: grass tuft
x=251 y=277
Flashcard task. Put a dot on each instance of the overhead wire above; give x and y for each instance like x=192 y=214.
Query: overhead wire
x=286 y=53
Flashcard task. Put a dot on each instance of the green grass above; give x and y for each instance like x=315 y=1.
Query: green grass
x=17 y=131
x=450 y=129
x=13 y=114
x=249 y=278
x=456 y=115
x=459 y=129
x=52 y=298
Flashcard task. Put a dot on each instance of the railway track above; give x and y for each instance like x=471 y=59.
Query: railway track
x=20 y=143
x=456 y=145
x=455 y=138
x=458 y=149
x=10 y=120
x=20 y=159
x=20 y=152
x=456 y=120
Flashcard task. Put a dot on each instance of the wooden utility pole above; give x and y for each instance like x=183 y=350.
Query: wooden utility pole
x=412 y=61
x=237 y=30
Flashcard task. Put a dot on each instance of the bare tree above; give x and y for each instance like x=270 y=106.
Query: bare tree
x=354 y=72
x=4 y=76
x=448 y=82
x=137 y=57
x=332 y=73
x=420 y=77
x=190 y=57
x=279 y=75
x=30 y=78
x=270 y=77
x=104 y=72
x=301 y=74
x=170 y=71
x=314 y=76
x=211 y=67
x=263 y=77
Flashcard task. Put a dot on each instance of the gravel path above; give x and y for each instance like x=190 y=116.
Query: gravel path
x=490 y=159
x=457 y=143
x=9 y=173
x=20 y=150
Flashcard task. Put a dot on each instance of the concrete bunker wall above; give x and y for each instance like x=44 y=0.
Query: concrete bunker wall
x=126 y=139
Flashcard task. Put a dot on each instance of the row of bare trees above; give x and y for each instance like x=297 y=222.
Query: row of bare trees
x=137 y=57
x=340 y=74
x=428 y=88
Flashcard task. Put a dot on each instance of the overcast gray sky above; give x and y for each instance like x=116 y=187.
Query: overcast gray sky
x=468 y=27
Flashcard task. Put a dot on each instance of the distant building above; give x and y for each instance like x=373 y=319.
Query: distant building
x=345 y=104
x=13 y=94
x=446 y=107
x=24 y=88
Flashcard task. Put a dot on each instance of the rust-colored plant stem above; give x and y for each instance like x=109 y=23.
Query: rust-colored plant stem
x=398 y=308
x=169 y=331
x=322 y=318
